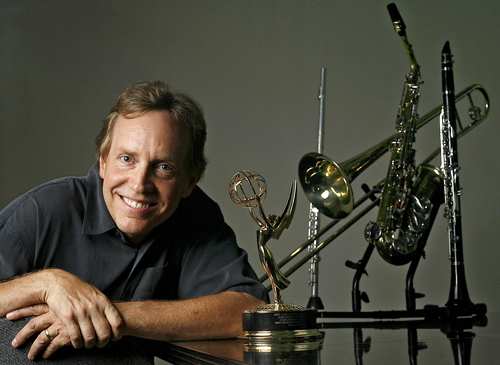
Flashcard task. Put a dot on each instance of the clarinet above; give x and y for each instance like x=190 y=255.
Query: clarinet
x=459 y=302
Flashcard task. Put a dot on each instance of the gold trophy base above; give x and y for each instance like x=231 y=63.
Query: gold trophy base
x=281 y=327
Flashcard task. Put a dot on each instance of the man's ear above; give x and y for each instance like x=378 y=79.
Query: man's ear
x=189 y=188
x=102 y=166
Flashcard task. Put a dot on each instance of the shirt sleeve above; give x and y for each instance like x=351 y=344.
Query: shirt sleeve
x=215 y=263
x=18 y=226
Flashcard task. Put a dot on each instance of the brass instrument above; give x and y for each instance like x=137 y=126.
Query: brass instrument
x=404 y=209
x=318 y=173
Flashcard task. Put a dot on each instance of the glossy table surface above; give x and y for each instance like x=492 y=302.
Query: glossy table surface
x=409 y=344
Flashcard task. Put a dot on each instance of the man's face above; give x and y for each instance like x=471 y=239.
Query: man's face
x=144 y=173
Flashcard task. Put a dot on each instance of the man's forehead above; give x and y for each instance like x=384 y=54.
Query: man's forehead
x=155 y=130
x=154 y=121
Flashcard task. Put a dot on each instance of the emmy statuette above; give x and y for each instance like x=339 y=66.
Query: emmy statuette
x=271 y=324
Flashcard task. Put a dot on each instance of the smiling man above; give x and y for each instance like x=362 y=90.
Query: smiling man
x=143 y=171
x=134 y=248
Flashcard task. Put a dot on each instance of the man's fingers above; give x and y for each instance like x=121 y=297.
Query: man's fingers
x=33 y=310
x=73 y=332
x=55 y=344
x=84 y=310
x=34 y=326
x=41 y=342
x=87 y=331
x=102 y=329
x=115 y=320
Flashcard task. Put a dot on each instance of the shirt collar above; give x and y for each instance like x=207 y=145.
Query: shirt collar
x=97 y=219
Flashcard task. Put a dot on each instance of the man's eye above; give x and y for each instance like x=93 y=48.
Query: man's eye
x=165 y=168
x=125 y=159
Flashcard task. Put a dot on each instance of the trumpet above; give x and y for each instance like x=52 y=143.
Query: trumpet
x=318 y=174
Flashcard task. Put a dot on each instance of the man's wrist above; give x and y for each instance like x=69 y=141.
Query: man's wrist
x=38 y=284
x=125 y=309
x=24 y=291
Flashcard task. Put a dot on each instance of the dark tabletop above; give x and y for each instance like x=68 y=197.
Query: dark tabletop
x=468 y=343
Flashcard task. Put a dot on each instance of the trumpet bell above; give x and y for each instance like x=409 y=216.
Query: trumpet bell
x=326 y=185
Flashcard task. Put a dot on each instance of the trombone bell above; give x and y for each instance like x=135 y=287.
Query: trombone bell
x=326 y=185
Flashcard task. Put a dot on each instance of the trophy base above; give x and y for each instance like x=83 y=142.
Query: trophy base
x=284 y=341
x=285 y=357
x=278 y=327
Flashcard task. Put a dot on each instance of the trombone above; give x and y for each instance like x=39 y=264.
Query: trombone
x=335 y=177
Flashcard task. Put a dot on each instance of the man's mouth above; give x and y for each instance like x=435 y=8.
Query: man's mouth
x=135 y=204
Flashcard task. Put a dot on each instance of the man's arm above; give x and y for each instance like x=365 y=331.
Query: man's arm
x=21 y=292
x=212 y=316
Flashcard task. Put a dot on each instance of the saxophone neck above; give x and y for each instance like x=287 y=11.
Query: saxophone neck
x=414 y=67
x=414 y=73
x=400 y=29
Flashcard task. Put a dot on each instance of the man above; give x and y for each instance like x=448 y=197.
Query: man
x=132 y=249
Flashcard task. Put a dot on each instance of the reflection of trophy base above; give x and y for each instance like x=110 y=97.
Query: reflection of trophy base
x=275 y=326
x=296 y=352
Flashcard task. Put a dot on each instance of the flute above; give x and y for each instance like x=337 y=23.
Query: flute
x=314 y=220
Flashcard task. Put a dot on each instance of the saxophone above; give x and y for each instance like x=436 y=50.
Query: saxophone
x=409 y=194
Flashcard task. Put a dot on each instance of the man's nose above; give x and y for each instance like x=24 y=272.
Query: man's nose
x=141 y=179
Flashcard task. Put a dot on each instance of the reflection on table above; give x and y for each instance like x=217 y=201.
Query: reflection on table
x=463 y=341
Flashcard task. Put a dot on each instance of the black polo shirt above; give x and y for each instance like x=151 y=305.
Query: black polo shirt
x=65 y=224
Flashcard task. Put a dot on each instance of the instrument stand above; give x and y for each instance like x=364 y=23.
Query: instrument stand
x=361 y=346
x=452 y=310
x=411 y=295
x=461 y=345
x=360 y=267
x=457 y=330
x=461 y=340
x=315 y=303
x=414 y=345
x=358 y=296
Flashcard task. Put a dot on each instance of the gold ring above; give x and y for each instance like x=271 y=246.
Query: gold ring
x=49 y=336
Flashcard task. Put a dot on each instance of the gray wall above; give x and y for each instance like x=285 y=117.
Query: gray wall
x=254 y=66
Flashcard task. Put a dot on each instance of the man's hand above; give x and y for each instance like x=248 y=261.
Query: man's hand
x=89 y=317
x=51 y=331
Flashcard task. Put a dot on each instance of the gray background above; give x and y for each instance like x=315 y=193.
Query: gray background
x=254 y=66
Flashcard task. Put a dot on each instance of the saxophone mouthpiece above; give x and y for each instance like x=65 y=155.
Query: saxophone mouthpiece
x=397 y=20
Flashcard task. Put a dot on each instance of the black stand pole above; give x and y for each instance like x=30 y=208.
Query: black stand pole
x=414 y=345
x=461 y=345
x=411 y=296
x=361 y=346
x=360 y=267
